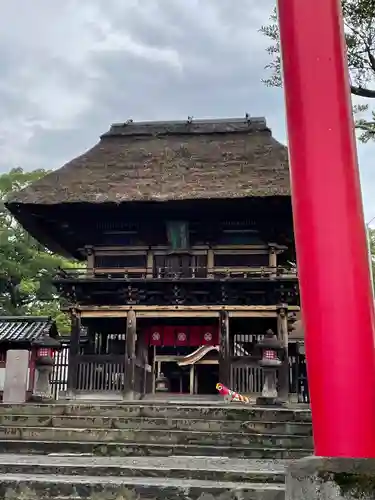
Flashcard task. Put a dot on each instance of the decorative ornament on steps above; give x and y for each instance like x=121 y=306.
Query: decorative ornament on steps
x=232 y=396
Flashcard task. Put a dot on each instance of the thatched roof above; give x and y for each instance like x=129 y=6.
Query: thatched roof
x=160 y=161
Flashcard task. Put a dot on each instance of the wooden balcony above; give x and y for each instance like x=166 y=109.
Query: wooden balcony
x=193 y=286
x=165 y=274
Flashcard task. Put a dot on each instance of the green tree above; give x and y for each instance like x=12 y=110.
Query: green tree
x=26 y=267
x=371 y=236
x=359 y=20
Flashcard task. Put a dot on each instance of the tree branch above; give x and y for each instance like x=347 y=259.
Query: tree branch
x=371 y=58
x=361 y=92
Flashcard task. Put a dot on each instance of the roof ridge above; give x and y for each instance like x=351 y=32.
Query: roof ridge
x=26 y=318
x=188 y=127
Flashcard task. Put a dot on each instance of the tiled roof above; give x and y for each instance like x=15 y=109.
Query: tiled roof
x=25 y=328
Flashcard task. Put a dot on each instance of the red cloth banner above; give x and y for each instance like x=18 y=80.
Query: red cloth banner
x=210 y=335
x=189 y=336
x=155 y=335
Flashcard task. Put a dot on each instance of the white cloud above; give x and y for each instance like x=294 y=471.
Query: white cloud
x=71 y=68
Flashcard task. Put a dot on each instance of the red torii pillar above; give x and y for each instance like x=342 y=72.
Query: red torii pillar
x=336 y=294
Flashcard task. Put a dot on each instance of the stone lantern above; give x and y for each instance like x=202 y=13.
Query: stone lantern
x=161 y=383
x=271 y=350
x=46 y=347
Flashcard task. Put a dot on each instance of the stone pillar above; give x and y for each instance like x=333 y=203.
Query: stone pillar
x=316 y=478
x=16 y=376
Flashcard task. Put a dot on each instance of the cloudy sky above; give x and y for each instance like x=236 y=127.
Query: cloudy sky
x=69 y=69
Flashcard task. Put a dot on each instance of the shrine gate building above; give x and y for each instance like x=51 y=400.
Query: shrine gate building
x=185 y=235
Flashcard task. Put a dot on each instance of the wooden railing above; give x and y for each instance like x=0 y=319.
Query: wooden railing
x=163 y=273
x=244 y=379
x=100 y=373
x=249 y=379
x=106 y=373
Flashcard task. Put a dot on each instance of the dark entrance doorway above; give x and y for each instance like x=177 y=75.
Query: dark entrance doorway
x=207 y=378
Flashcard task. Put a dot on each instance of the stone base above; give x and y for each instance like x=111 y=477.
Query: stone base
x=41 y=398
x=316 y=478
x=264 y=401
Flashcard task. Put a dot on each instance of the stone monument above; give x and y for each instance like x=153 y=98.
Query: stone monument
x=16 y=376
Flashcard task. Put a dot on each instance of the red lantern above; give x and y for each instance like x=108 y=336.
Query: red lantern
x=270 y=355
x=45 y=347
x=270 y=348
x=44 y=352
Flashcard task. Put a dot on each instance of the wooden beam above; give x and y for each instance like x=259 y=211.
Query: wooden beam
x=142 y=249
x=119 y=270
x=178 y=314
x=252 y=314
x=216 y=307
x=104 y=314
x=234 y=250
x=182 y=312
x=155 y=314
x=260 y=270
x=240 y=248
x=121 y=250
x=191 y=252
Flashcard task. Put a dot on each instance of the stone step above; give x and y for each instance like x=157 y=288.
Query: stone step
x=197 y=438
x=90 y=422
x=136 y=449
x=233 y=411
x=46 y=487
x=197 y=468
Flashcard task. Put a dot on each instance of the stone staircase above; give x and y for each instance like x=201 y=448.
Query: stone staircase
x=149 y=450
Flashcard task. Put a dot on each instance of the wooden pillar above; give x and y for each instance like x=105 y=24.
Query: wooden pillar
x=224 y=354
x=90 y=260
x=192 y=379
x=210 y=263
x=74 y=351
x=273 y=260
x=130 y=356
x=150 y=264
x=282 y=334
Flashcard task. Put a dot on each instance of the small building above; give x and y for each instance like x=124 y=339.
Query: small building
x=19 y=332
x=185 y=234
